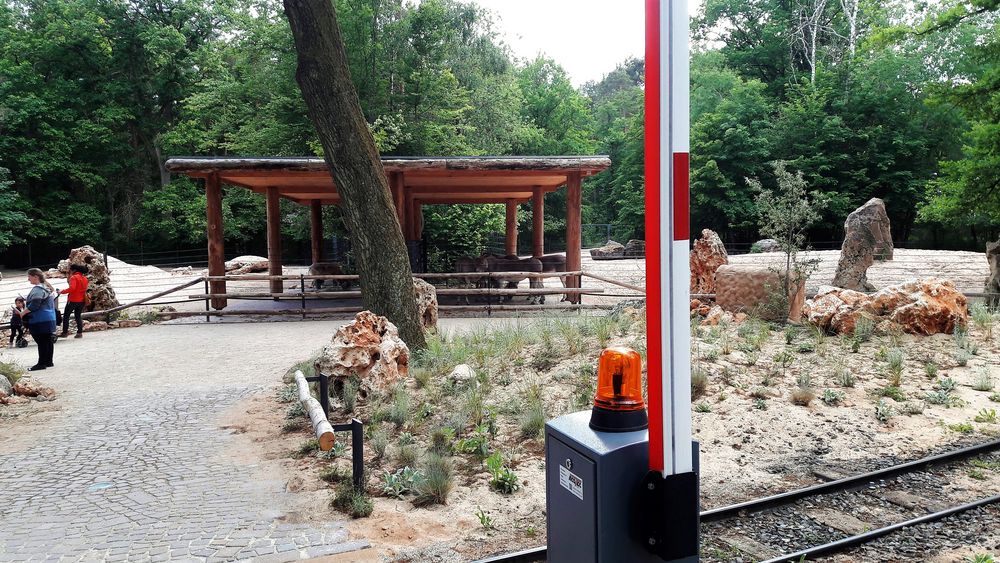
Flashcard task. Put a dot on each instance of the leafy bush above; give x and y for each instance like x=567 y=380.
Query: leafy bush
x=988 y=416
x=884 y=411
x=353 y=502
x=478 y=444
x=833 y=397
x=502 y=479
x=401 y=482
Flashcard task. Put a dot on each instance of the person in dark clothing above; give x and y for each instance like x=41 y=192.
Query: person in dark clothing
x=40 y=316
x=16 y=325
x=77 y=291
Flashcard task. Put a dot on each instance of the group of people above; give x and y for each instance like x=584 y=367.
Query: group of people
x=38 y=311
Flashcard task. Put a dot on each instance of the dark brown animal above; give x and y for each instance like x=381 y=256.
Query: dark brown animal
x=327 y=269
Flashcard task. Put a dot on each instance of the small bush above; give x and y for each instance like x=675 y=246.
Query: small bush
x=407 y=455
x=995 y=397
x=946 y=384
x=892 y=392
x=760 y=404
x=422 y=376
x=711 y=355
x=884 y=411
x=962 y=428
x=791 y=331
x=333 y=474
x=399 y=411
x=478 y=444
x=802 y=396
x=912 y=408
x=294 y=411
x=699 y=382
x=288 y=393
x=307 y=447
x=437 y=482
x=983 y=319
x=832 y=397
x=502 y=479
x=931 y=370
x=894 y=359
x=962 y=356
x=939 y=397
x=442 y=440
x=353 y=502
x=532 y=420
x=485 y=520
x=988 y=416
x=864 y=328
x=805 y=347
x=804 y=380
x=349 y=394
x=401 y=482
x=379 y=441
x=984 y=380
x=702 y=407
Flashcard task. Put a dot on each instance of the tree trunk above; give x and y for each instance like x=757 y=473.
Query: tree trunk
x=353 y=160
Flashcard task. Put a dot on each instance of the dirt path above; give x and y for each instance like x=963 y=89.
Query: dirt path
x=134 y=459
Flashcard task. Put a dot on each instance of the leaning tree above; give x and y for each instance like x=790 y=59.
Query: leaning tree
x=350 y=154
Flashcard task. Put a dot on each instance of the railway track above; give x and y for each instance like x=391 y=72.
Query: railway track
x=844 y=514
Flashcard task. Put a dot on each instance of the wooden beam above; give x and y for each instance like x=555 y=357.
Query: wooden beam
x=216 y=243
x=274 y=238
x=316 y=229
x=511 y=240
x=418 y=220
x=538 y=223
x=573 y=226
x=408 y=215
x=396 y=185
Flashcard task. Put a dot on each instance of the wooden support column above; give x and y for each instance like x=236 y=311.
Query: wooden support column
x=396 y=185
x=216 y=245
x=408 y=215
x=573 y=237
x=418 y=220
x=316 y=229
x=274 y=238
x=510 y=248
x=537 y=222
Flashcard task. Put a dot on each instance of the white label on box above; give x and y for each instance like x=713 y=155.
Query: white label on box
x=571 y=482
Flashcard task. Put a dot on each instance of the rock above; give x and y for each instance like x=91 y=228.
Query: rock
x=95 y=326
x=370 y=347
x=126 y=323
x=462 y=373
x=866 y=237
x=246 y=265
x=992 y=288
x=628 y=307
x=182 y=271
x=609 y=251
x=716 y=315
x=635 y=248
x=708 y=254
x=102 y=295
x=765 y=245
x=5 y=386
x=699 y=307
x=748 y=288
x=925 y=306
x=166 y=309
x=26 y=388
x=54 y=273
x=427 y=303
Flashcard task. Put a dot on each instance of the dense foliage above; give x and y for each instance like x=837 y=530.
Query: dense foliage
x=890 y=100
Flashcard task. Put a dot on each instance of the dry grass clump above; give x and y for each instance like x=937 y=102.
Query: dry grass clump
x=437 y=483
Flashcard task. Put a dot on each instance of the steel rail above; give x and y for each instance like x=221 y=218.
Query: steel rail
x=757 y=505
x=853 y=541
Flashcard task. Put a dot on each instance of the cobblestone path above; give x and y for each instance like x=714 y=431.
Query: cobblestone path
x=132 y=465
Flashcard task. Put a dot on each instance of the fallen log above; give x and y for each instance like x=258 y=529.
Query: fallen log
x=320 y=424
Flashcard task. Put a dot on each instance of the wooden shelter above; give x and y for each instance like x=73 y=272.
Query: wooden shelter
x=414 y=182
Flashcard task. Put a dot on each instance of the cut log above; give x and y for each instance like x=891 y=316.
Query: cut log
x=320 y=424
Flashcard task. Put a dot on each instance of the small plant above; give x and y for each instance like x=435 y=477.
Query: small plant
x=286 y=394
x=401 y=482
x=883 y=411
x=405 y=439
x=478 y=444
x=442 y=440
x=909 y=408
x=333 y=474
x=962 y=428
x=842 y=375
x=353 y=502
x=307 y=447
x=939 y=397
x=802 y=396
x=349 y=394
x=760 y=404
x=379 y=441
x=947 y=384
x=930 y=369
x=989 y=464
x=977 y=474
x=699 y=383
x=295 y=410
x=422 y=376
x=784 y=359
x=988 y=416
x=864 y=328
x=484 y=519
x=407 y=455
x=804 y=380
x=338 y=449
x=983 y=319
x=980 y=558
x=962 y=356
x=702 y=407
x=791 y=331
x=502 y=479
x=711 y=355
x=894 y=358
x=751 y=358
x=399 y=411
x=892 y=392
x=832 y=397
x=995 y=397
x=984 y=380
x=437 y=482
x=805 y=347
x=532 y=420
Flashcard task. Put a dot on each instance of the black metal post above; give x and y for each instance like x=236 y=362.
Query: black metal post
x=358 y=453
x=208 y=319
x=302 y=291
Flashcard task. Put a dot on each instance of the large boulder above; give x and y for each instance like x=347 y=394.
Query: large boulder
x=635 y=248
x=369 y=347
x=102 y=295
x=992 y=288
x=610 y=251
x=924 y=306
x=427 y=303
x=749 y=288
x=709 y=253
x=246 y=264
x=867 y=237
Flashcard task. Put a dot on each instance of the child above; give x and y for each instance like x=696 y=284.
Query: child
x=16 y=324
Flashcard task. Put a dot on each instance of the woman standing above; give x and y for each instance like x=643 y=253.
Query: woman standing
x=40 y=316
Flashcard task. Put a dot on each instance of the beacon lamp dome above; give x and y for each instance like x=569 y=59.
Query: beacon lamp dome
x=618 y=404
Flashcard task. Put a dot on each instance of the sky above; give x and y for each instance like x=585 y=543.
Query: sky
x=587 y=37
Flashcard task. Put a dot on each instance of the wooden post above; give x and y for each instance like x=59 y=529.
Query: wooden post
x=408 y=215
x=537 y=222
x=274 y=238
x=573 y=239
x=511 y=240
x=216 y=245
x=418 y=220
x=316 y=229
x=396 y=185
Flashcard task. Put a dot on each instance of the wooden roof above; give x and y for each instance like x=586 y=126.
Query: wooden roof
x=429 y=180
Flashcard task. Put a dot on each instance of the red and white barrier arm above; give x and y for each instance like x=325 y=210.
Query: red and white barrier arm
x=668 y=328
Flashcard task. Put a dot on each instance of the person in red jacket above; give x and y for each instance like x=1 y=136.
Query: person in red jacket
x=77 y=291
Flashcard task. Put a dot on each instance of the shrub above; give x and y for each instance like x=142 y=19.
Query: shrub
x=407 y=455
x=353 y=502
x=832 y=397
x=988 y=416
x=843 y=376
x=478 y=444
x=894 y=359
x=442 y=440
x=294 y=411
x=349 y=394
x=883 y=411
x=802 y=396
x=962 y=428
x=702 y=407
x=892 y=392
x=401 y=482
x=931 y=369
x=333 y=474
x=962 y=356
x=307 y=447
x=437 y=482
x=399 y=411
x=939 y=397
x=760 y=404
x=983 y=319
x=532 y=420
x=864 y=328
x=946 y=384
x=502 y=479
x=995 y=397
x=984 y=380
x=379 y=441
x=699 y=382
x=286 y=394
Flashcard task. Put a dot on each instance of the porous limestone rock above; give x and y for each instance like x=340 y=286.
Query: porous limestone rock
x=992 y=288
x=923 y=306
x=462 y=373
x=246 y=264
x=609 y=251
x=102 y=295
x=750 y=288
x=27 y=388
x=635 y=248
x=5 y=386
x=867 y=237
x=125 y=323
x=708 y=254
x=370 y=347
x=427 y=303
x=94 y=326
